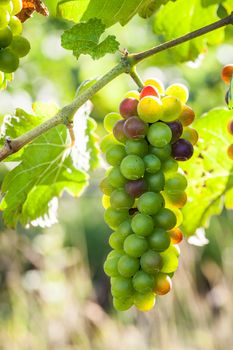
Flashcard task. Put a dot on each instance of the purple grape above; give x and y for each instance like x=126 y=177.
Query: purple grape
x=136 y=188
x=118 y=131
x=135 y=128
x=182 y=150
x=176 y=129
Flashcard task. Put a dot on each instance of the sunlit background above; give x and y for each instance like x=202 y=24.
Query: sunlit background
x=53 y=291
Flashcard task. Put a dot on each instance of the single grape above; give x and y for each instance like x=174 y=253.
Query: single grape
x=187 y=115
x=105 y=187
x=182 y=150
x=178 y=90
x=177 y=199
x=135 y=188
x=150 y=203
x=5 y=37
x=115 y=154
x=133 y=94
x=142 y=224
x=121 y=287
x=149 y=90
x=169 y=166
x=176 y=183
x=107 y=142
x=128 y=107
x=155 y=182
x=9 y=62
x=230 y=151
x=227 y=73
x=114 y=254
x=176 y=235
x=20 y=46
x=143 y=282
x=135 y=245
x=144 y=301
x=135 y=128
x=230 y=126
x=156 y=83
x=159 y=134
x=106 y=201
x=159 y=240
x=4 y=3
x=118 y=131
x=137 y=147
x=125 y=228
x=190 y=135
x=132 y=167
x=152 y=163
x=150 y=109
x=165 y=219
x=116 y=241
x=7 y=5
x=163 y=284
x=121 y=200
x=15 y=25
x=128 y=266
x=122 y=304
x=111 y=267
x=115 y=178
x=114 y=218
x=176 y=129
x=162 y=153
x=17 y=6
x=172 y=108
x=110 y=120
x=151 y=262
x=4 y=18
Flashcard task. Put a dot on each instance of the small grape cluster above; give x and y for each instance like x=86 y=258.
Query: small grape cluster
x=12 y=45
x=143 y=190
x=227 y=77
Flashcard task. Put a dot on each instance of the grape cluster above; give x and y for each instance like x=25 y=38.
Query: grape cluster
x=143 y=190
x=227 y=77
x=12 y=45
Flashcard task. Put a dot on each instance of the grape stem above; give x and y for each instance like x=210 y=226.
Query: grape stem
x=135 y=76
x=126 y=65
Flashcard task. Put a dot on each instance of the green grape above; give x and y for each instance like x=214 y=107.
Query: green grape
x=4 y=3
x=162 y=153
x=172 y=108
x=178 y=90
x=107 y=142
x=159 y=134
x=121 y=287
x=135 y=245
x=136 y=147
x=114 y=218
x=105 y=187
x=151 y=262
x=7 y=5
x=128 y=266
x=125 y=228
x=155 y=182
x=176 y=183
x=169 y=166
x=170 y=260
x=15 y=25
x=152 y=163
x=114 y=254
x=17 y=6
x=142 y=224
x=150 y=203
x=115 y=154
x=4 y=18
x=121 y=200
x=110 y=120
x=116 y=241
x=159 y=240
x=165 y=219
x=111 y=267
x=132 y=167
x=143 y=282
x=145 y=301
x=1 y=78
x=20 y=46
x=115 y=178
x=122 y=304
x=9 y=62
x=190 y=135
x=5 y=37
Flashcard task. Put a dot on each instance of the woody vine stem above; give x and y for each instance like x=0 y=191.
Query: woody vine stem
x=126 y=65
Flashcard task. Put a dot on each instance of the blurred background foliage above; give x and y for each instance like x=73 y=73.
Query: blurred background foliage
x=53 y=291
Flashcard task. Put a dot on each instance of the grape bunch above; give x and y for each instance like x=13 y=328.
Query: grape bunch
x=227 y=77
x=13 y=46
x=143 y=190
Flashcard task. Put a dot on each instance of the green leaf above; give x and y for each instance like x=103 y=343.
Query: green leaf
x=209 y=171
x=190 y=16
x=84 y=38
x=151 y=6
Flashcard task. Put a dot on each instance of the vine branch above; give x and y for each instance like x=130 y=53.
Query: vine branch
x=126 y=65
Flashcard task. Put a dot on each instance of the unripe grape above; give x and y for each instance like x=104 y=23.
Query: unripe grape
x=162 y=153
x=156 y=83
x=151 y=262
x=150 y=203
x=5 y=37
x=133 y=94
x=20 y=46
x=114 y=254
x=177 y=199
x=116 y=241
x=150 y=109
x=169 y=166
x=230 y=127
x=190 y=135
x=107 y=142
x=187 y=115
x=125 y=228
x=106 y=201
x=132 y=167
x=118 y=131
x=230 y=152
x=17 y=6
x=159 y=134
x=128 y=266
x=182 y=150
x=4 y=18
x=143 y=282
x=15 y=25
x=165 y=219
x=136 y=188
x=114 y=218
x=155 y=182
x=115 y=178
x=142 y=224
x=111 y=267
x=122 y=304
x=110 y=120
x=178 y=90
x=176 y=183
x=105 y=187
x=159 y=240
x=149 y=90
x=176 y=129
x=128 y=107
x=137 y=147
x=9 y=62
x=227 y=73
x=163 y=284
x=135 y=128
x=144 y=301
x=121 y=287
x=115 y=154
x=121 y=200
x=135 y=245
x=172 y=108
x=152 y=163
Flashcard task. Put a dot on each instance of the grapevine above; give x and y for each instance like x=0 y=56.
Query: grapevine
x=144 y=189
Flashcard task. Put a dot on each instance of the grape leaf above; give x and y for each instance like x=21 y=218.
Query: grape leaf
x=209 y=171
x=170 y=27
x=151 y=6
x=83 y=38
x=110 y=12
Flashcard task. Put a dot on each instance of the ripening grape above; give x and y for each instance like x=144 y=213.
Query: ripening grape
x=227 y=73
x=230 y=127
x=143 y=190
x=230 y=151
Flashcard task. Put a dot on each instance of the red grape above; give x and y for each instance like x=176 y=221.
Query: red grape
x=135 y=128
x=118 y=131
x=136 y=188
x=182 y=150
x=128 y=107
x=176 y=129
